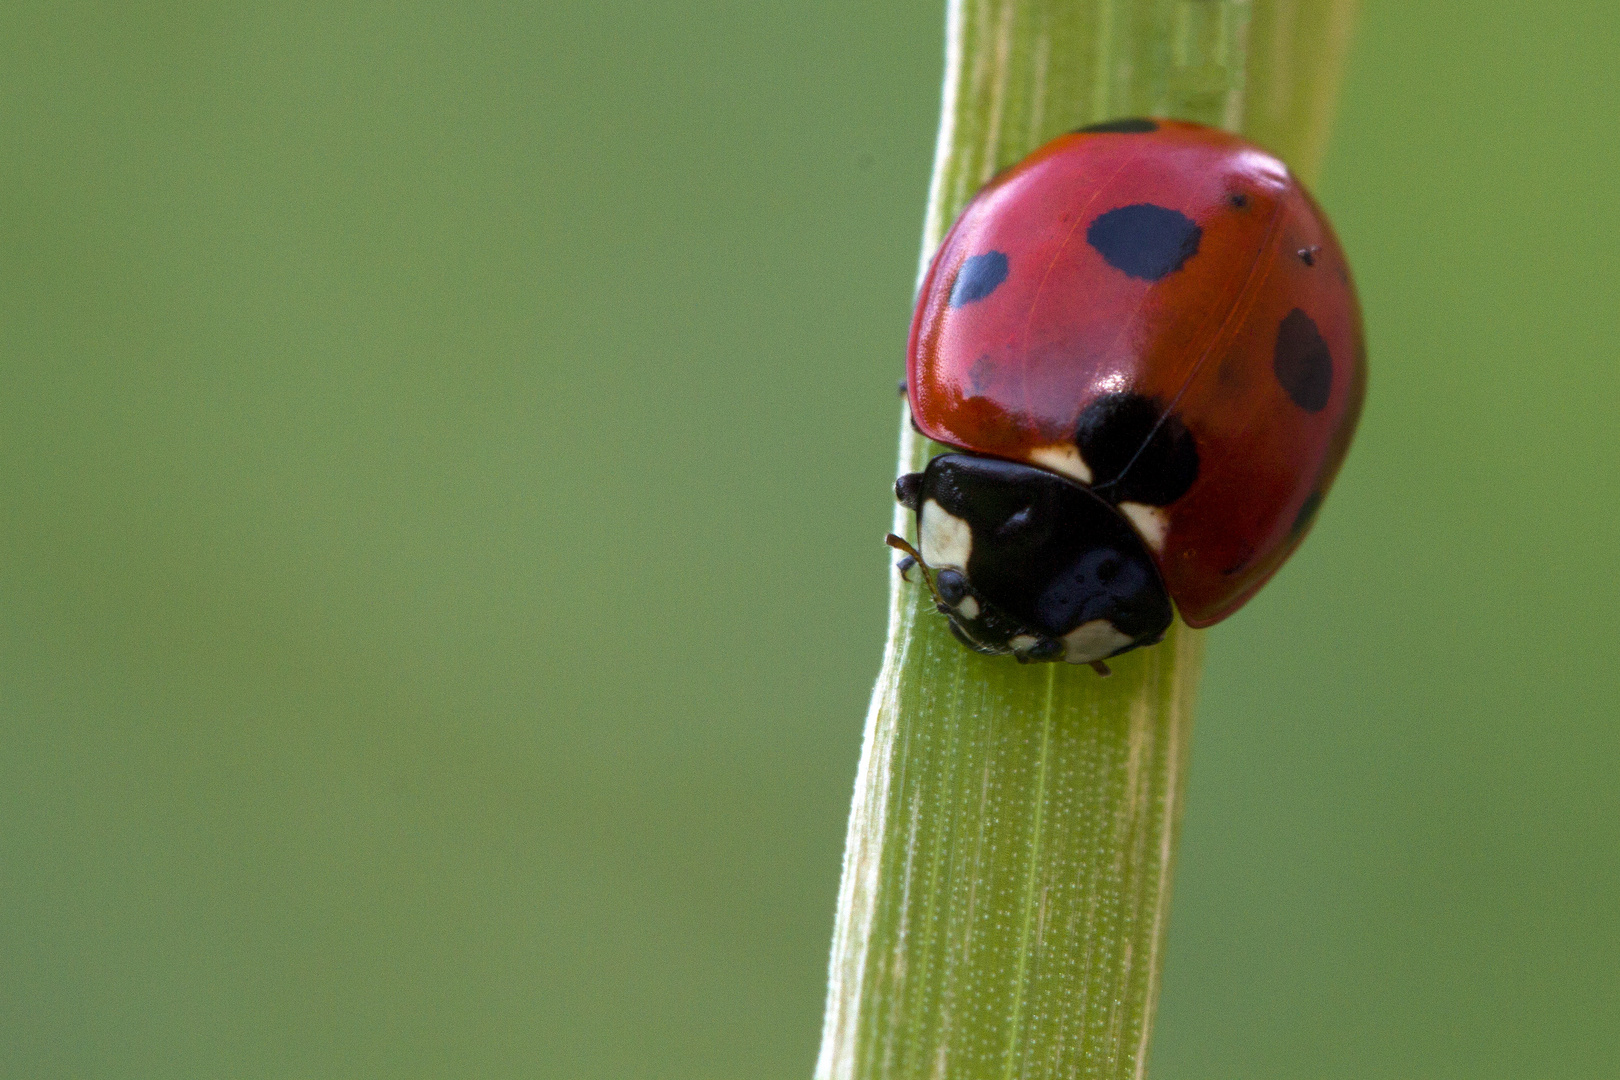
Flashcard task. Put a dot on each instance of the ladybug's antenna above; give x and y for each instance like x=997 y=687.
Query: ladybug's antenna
x=899 y=544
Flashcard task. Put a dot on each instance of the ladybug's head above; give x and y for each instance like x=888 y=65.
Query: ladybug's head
x=1030 y=563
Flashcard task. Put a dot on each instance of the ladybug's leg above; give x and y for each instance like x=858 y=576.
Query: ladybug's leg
x=904 y=566
x=1044 y=650
x=962 y=635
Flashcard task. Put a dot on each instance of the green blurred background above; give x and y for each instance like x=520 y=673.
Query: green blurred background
x=444 y=449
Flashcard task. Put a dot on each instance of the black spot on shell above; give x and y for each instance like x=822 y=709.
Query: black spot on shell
x=1137 y=452
x=1307 y=513
x=1302 y=362
x=1308 y=255
x=1132 y=126
x=981 y=374
x=1145 y=240
x=1242 y=563
x=978 y=277
x=1238 y=200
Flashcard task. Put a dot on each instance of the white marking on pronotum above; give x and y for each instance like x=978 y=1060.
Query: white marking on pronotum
x=1151 y=521
x=1093 y=641
x=947 y=540
x=1024 y=642
x=968 y=608
x=1064 y=459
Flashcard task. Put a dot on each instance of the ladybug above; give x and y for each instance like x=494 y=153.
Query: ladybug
x=1143 y=348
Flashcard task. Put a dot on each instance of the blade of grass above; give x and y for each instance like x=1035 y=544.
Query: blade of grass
x=1007 y=869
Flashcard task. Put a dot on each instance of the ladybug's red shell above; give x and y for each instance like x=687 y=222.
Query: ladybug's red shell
x=1177 y=270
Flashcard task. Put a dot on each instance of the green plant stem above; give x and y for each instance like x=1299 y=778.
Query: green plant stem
x=1007 y=870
